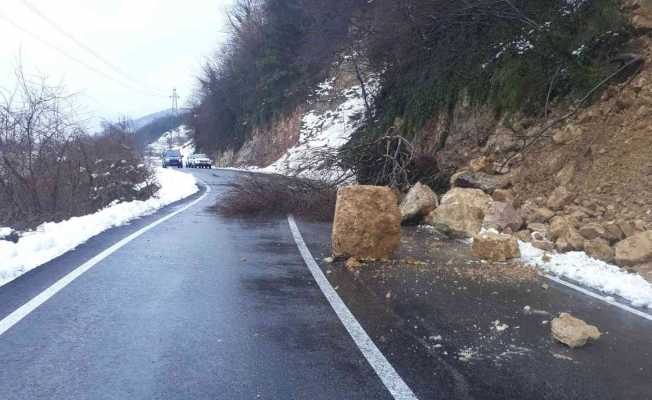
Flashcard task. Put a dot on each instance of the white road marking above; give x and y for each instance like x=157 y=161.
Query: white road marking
x=387 y=374
x=600 y=297
x=20 y=313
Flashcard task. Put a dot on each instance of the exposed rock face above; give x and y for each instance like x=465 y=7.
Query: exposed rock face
x=495 y=247
x=634 y=250
x=559 y=198
x=599 y=249
x=501 y=216
x=572 y=331
x=480 y=180
x=461 y=210
x=367 y=223
x=419 y=202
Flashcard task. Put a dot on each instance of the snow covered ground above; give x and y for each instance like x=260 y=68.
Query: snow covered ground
x=51 y=240
x=589 y=272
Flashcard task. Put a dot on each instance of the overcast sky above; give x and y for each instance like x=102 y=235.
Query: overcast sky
x=158 y=44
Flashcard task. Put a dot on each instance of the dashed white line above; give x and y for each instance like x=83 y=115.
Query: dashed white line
x=385 y=371
x=12 y=319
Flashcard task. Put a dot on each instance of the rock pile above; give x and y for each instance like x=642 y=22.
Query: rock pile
x=558 y=222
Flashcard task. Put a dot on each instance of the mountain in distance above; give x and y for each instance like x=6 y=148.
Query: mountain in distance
x=150 y=128
x=148 y=119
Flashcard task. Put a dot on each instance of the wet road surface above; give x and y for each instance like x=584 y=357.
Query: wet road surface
x=203 y=307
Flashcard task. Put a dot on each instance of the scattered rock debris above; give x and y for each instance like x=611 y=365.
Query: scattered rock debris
x=353 y=263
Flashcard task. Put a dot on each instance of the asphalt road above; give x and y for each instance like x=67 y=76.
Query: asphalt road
x=203 y=307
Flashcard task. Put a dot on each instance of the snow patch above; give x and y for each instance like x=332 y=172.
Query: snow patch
x=595 y=274
x=52 y=239
x=323 y=131
x=176 y=139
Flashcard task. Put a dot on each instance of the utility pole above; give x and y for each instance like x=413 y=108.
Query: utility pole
x=175 y=101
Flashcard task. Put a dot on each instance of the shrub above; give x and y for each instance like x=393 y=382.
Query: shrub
x=513 y=55
x=51 y=170
x=256 y=194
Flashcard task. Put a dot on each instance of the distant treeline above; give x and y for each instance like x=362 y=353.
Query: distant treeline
x=515 y=55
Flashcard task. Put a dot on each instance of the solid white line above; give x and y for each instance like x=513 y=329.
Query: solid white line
x=600 y=297
x=20 y=313
x=387 y=374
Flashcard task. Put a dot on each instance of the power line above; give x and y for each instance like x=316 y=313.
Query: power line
x=79 y=43
x=73 y=58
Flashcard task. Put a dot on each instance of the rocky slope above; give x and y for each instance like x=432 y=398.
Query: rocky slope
x=329 y=105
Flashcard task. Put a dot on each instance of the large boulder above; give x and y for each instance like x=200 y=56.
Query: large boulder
x=483 y=181
x=559 y=198
x=636 y=249
x=461 y=219
x=573 y=332
x=501 y=215
x=419 y=202
x=367 y=223
x=472 y=197
x=495 y=247
x=461 y=210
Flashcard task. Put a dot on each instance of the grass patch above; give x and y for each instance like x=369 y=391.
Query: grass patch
x=269 y=194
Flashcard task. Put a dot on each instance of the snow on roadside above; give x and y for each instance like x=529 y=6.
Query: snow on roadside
x=51 y=240
x=592 y=273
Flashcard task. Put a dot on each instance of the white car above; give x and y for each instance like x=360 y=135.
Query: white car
x=199 y=161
